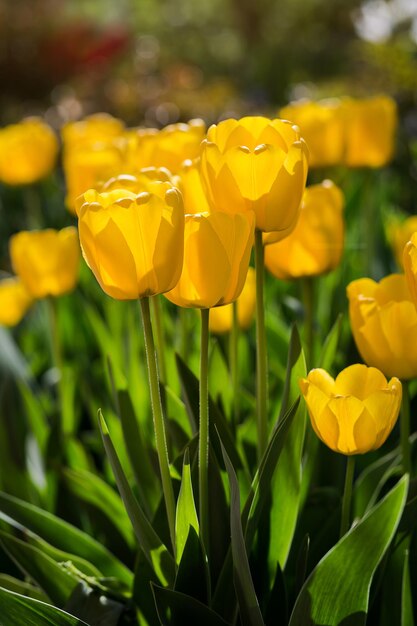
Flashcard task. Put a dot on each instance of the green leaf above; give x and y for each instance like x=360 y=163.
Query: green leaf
x=92 y=489
x=153 y=548
x=407 y=595
x=186 y=515
x=55 y=581
x=18 y=610
x=91 y=605
x=12 y=360
x=64 y=536
x=396 y=596
x=328 y=352
x=250 y=613
x=370 y=478
x=24 y=588
x=193 y=575
x=183 y=609
x=338 y=588
x=286 y=482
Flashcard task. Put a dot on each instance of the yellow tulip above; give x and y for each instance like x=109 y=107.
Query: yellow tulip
x=256 y=164
x=315 y=246
x=410 y=266
x=371 y=125
x=28 y=152
x=217 y=249
x=46 y=261
x=384 y=324
x=133 y=241
x=398 y=233
x=221 y=317
x=97 y=128
x=14 y=301
x=168 y=147
x=195 y=199
x=321 y=125
x=355 y=412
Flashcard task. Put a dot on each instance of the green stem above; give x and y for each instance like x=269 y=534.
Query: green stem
x=158 y=419
x=203 y=441
x=347 y=496
x=56 y=351
x=160 y=339
x=308 y=300
x=183 y=313
x=261 y=355
x=405 y=428
x=234 y=364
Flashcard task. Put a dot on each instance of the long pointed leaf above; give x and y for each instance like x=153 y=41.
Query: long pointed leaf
x=17 y=609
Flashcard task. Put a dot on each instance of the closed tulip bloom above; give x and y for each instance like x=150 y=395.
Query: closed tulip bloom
x=217 y=249
x=383 y=319
x=46 y=261
x=133 y=242
x=410 y=266
x=28 y=152
x=221 y=317
x=355 y=412
x=96 y=128
x=321 y=125
x=315 y=246
x=168 y=147
x=371 y=125
x=256 y=164
x=193 y=193
x=14 y=301
x=398 y=234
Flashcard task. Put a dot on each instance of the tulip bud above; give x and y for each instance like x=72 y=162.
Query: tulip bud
x=410 y=266
x=14 y=301
x=256 y=164
x=383 y=319
x=46 y=261
x=28 y=152
x=221 y=317
x=133 y=242
x=355 y=412
x=315 y=246
x=217 y=249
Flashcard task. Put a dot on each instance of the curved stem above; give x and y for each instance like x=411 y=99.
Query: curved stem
x=405 y=428
x=158 y=419
x=203 y=440
x=261 y=355
x=160 y=340
x=347 y=496
x=234 y=363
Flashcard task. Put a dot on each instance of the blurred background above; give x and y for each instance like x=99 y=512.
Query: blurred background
x=156 y=62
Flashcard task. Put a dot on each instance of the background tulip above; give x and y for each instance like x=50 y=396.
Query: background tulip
x=256 y=164
x=410 y=266
x=315 y=246
x=46 y=261
x=14 y=301
x=193 y=193
x=133 y=242
x=97 y=128
x=355 y=412
x=221 y=317
x=28 y=152
x=217 y=249
x=383 y=319
x=398 y=234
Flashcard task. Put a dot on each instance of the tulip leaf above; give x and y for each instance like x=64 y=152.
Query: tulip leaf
x=337 y=591
x=12 y=360
x=396 y=597
x=152 y=546
x=193 y=575
x=92 y=489
x=328 y=352
x=250 y=612
x=286 y=482
x=369 y=479
x=186 y=515
x=18 y=609
x=24 y=588
x=52 y=578
x=142 y=592
x=64 y=536
x=93 y=606
x=183 y=609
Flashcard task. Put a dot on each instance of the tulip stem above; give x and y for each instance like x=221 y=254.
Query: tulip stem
x=158 y=418
x=56 y=353
x=405 y=428
x=160 y=340
x=261 y=355
x=203 y=440
x=347 y=495
x=234 y=364
x=308 y=300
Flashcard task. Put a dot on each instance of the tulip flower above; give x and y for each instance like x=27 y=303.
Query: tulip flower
x=168 y=147
x=28 y=152
x=193 y=193
x=398 y=234
x=97 y=128
x=321 y=125
x=315 y=246
x=217 y=249
x=256 y=164
x=384 y=324
x=133 y=242
x=14 y=301
x=355 y=412
x=410 y=266
x=221 y=317
x=46 y=261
